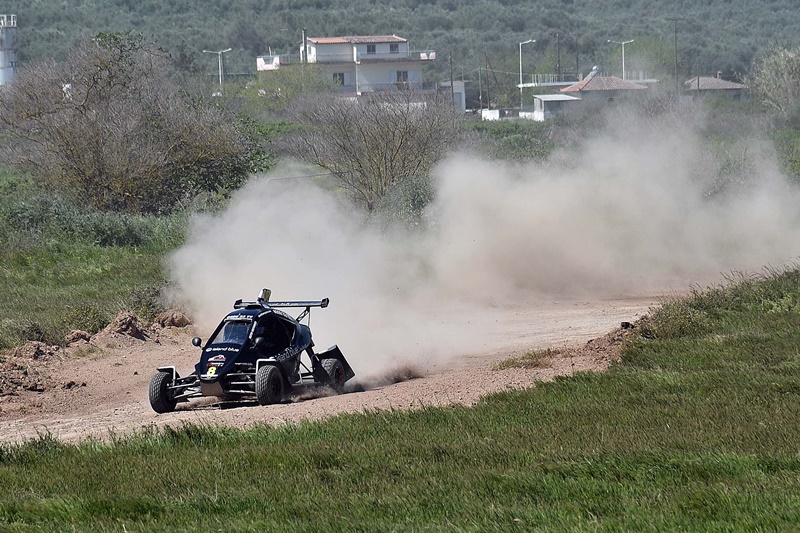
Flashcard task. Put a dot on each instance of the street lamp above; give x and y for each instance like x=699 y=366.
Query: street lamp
x=623 y=43
x=219 y=54
x=520 y=68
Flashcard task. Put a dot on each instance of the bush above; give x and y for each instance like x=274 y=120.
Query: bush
x=406 y=201
x=39 y=218
x=517 y=139
x=86 y=318
x=146 y=303
x=675 y=319
x=36 y=331
x=74 y=124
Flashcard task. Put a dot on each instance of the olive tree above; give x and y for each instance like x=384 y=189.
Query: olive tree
x=373 y=142
x=272 y=91
x=775 y=80
x=112 y=127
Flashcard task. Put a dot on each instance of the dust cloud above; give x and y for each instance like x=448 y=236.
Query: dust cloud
x=639 y=209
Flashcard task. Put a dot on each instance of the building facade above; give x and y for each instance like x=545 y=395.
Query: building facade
x=369 y=63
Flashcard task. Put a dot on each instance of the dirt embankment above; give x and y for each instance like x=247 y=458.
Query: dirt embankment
x=97 y=386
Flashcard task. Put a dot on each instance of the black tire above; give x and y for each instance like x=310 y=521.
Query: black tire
x=335 y=370
x=162 y=400
x=269 y=385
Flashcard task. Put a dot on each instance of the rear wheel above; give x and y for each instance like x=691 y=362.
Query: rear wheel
x=335 y=370
x=162 y=399
x=269 y=385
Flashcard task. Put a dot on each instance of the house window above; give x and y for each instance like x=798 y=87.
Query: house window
x=402 y=76
x=394 y=48
x=370 y=48
x=338 y=77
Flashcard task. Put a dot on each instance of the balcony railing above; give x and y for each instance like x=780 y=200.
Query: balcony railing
x=8 y=21
x=275 y=61
x=415 y=55
x=384 y=87
x=553 y=79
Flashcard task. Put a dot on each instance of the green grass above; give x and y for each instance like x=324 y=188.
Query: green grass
x=695 y=429
x=52 y=291
x=531 y=359
x=67 y=267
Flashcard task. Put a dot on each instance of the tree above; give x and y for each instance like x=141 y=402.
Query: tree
x=112 y=127
x=775 y=80
x=374 y=142
x=273 y=90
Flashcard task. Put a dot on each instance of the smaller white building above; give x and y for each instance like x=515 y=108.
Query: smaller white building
x=547 y=106
x=8 y=48
x=457 y=92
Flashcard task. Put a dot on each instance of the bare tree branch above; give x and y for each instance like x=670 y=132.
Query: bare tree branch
x=375 y=141
x=110 y=126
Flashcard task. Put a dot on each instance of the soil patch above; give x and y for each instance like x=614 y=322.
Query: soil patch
x=98 y=387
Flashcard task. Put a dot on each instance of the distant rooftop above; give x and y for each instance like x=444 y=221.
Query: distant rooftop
x=602 y=83
x=555 y=97
x=708 y=83
x=358 y=39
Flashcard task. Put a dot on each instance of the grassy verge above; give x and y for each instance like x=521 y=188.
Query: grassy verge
x=67 y=267
x=696 y=429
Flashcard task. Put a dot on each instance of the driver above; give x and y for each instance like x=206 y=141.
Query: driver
x=268 y=347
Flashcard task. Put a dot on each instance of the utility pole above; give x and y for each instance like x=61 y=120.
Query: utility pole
x=304 y=60
x=452 y=90
x=675 y=40
x=480 y=88
x=488 y=69
x=558 y=56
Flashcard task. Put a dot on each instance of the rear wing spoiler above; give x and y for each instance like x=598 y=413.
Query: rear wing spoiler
x=311 y=303
x=263 y=301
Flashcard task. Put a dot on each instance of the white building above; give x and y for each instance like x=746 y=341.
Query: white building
x=547 y=106
x=369 y=63
x=8 y=48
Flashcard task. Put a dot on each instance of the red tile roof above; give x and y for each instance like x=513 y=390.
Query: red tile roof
x=712 y=84
x=358 y=39
x=602 y=83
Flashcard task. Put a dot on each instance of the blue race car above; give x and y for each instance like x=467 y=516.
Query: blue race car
x=254 y=352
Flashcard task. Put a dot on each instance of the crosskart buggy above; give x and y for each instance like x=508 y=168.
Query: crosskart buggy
x=255 y=351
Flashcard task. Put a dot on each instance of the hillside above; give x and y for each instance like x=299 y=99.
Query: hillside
x=714 y=35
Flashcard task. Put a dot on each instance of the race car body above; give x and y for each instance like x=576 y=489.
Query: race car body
x=256 y=350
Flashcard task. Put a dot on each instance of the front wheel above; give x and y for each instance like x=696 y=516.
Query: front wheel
x=162 y=399
x=269 y=385
x=335 y=370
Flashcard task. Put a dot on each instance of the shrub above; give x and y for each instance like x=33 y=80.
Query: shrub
x=86 y=317
x=146 y=303
x=73 y=125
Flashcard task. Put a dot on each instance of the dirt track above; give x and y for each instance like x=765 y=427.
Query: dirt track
x=102 y=390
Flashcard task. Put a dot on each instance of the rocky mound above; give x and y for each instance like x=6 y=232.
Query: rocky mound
x=24 y=368
x=29 y=368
